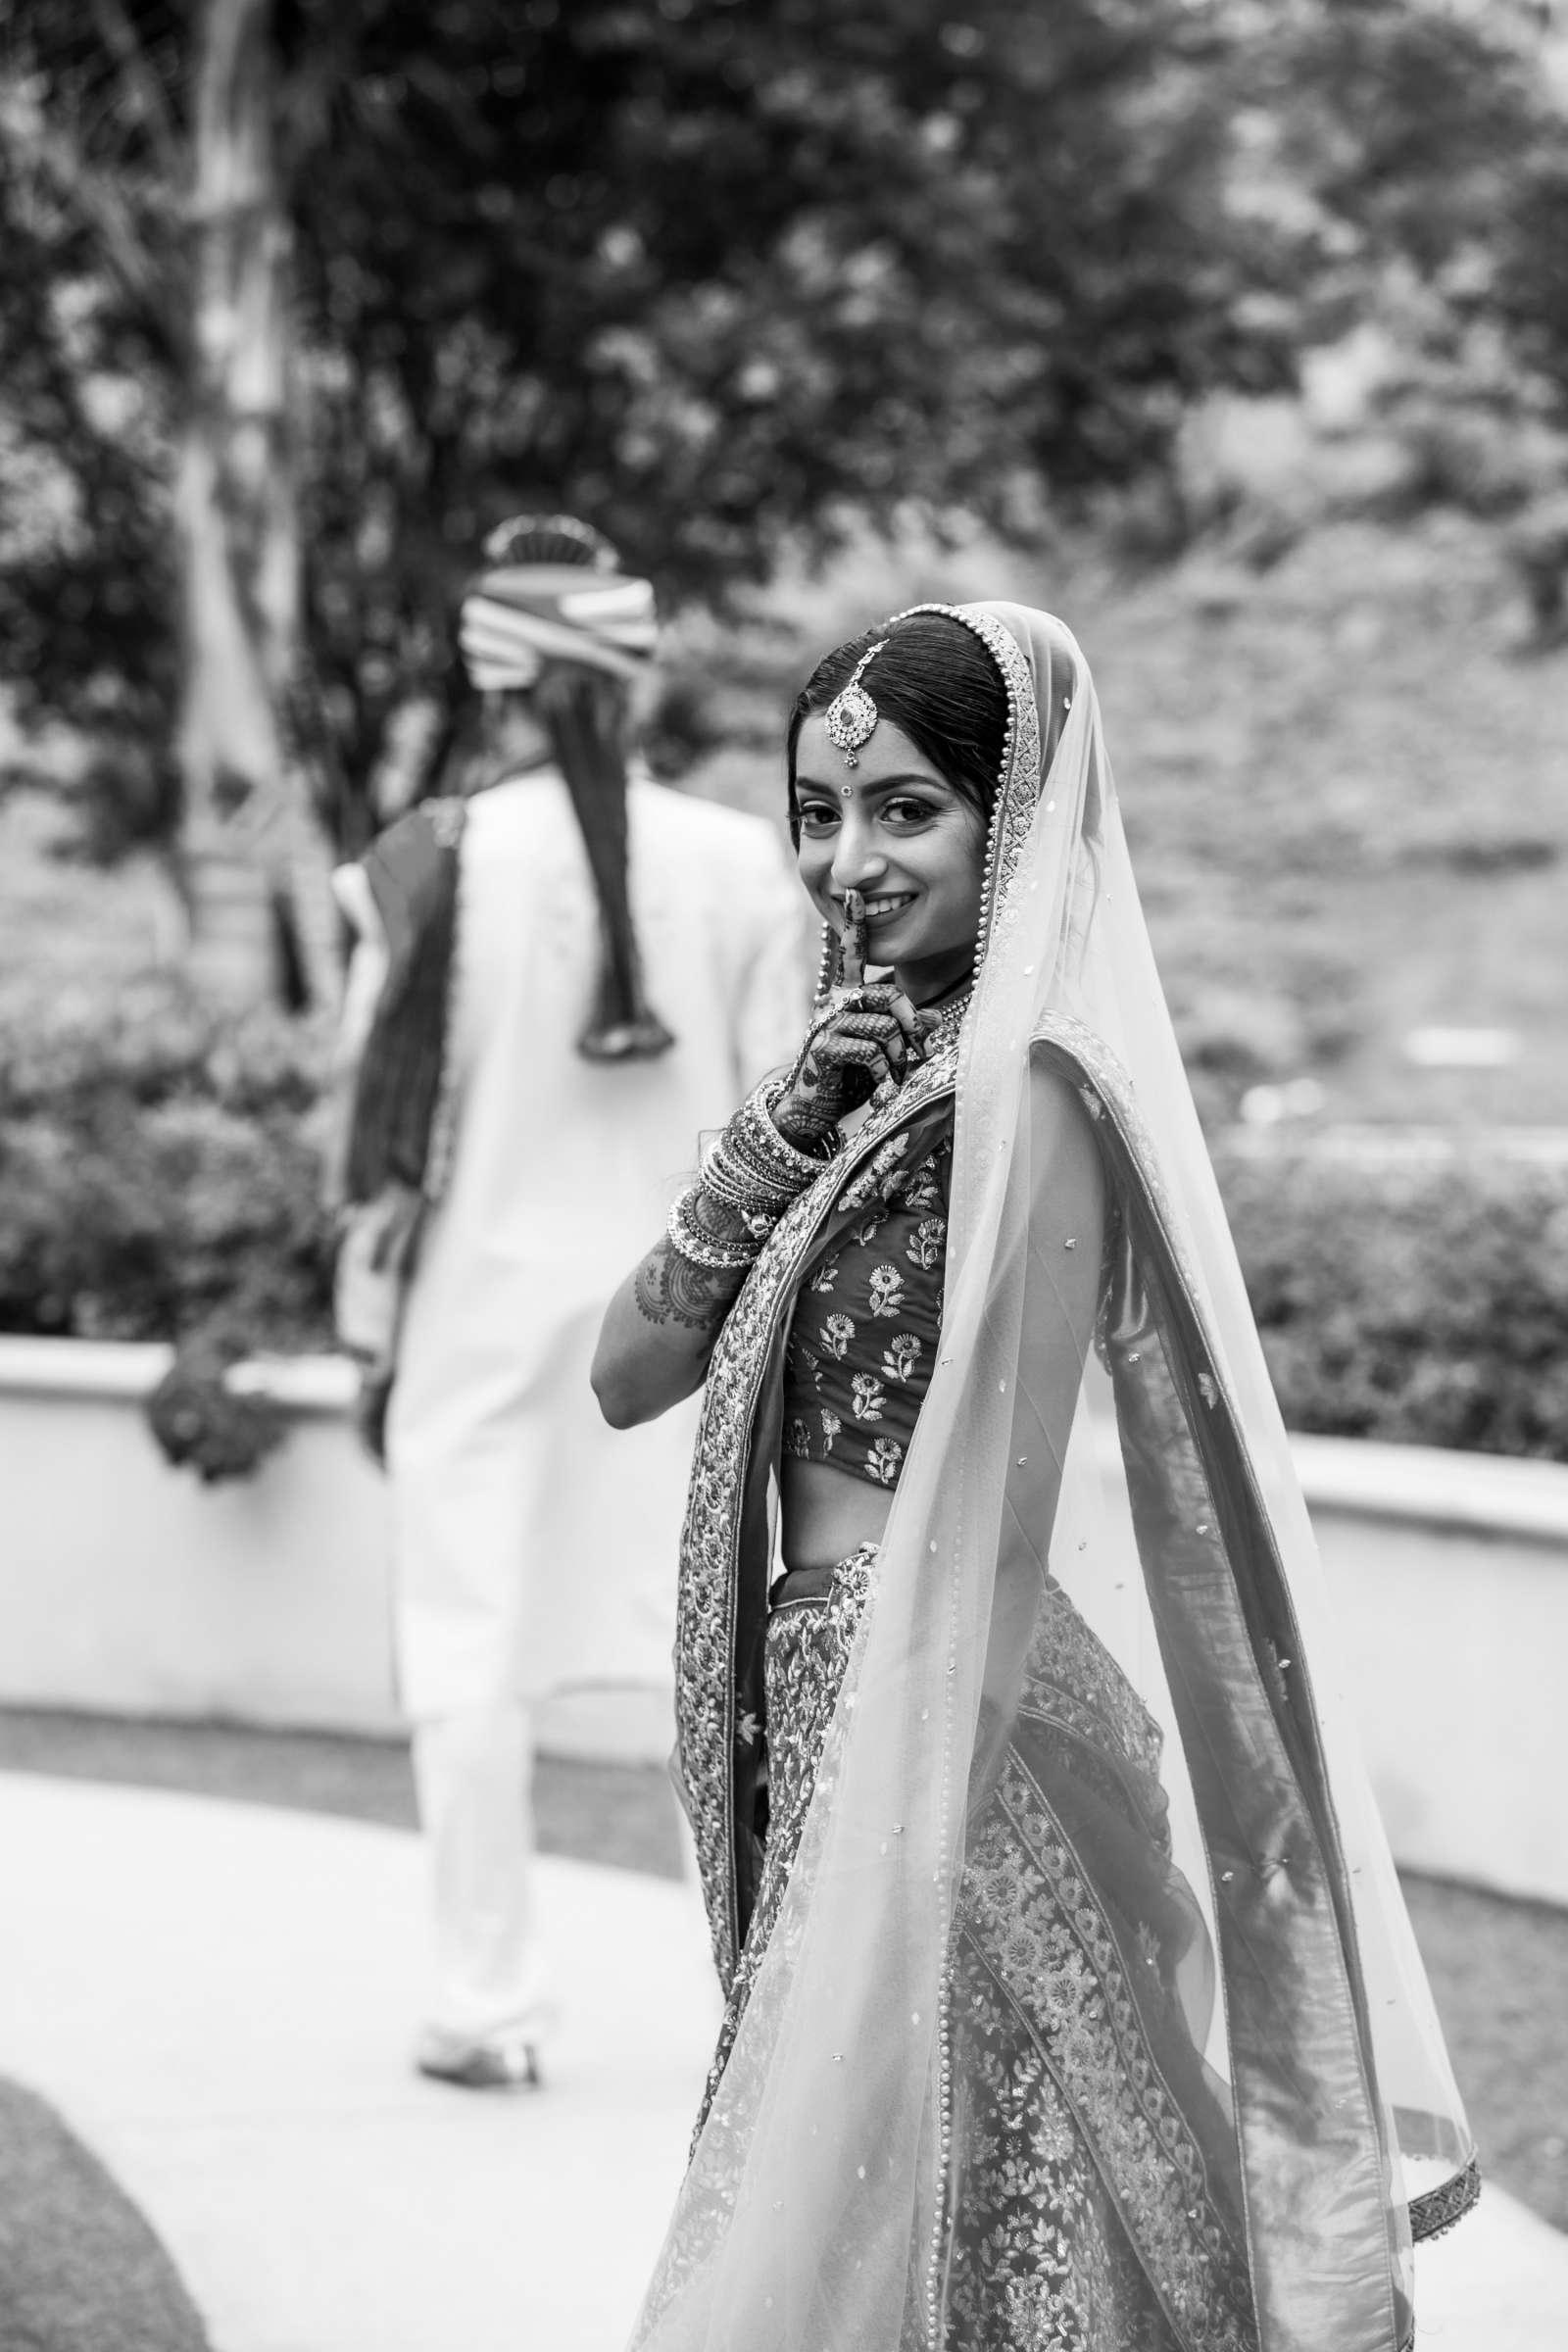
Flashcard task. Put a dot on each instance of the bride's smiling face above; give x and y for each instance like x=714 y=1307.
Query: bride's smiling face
x=895 y=829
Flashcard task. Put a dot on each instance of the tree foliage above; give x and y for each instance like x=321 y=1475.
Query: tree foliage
x=91 y=361
x=719 y=277
x=714 y=277
x=1423 y=150
x=1417 y=1307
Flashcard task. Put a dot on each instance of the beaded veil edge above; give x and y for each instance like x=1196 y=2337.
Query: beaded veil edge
x=1018 y=781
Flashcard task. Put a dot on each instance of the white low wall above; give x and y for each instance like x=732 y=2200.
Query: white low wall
x=126 y=1588
x=130 y=1588
x=1449 y=1576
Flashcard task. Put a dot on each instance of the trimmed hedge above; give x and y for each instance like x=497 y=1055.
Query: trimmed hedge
x=1424 y=1305
x=159 y=1179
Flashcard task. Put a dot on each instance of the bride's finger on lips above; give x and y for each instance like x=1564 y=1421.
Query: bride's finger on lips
x=851 y=952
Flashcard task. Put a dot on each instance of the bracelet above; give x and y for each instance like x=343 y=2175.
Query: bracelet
x=757 y=1204
x=754 y=1170
x=701 y=1248
x=759 y=1108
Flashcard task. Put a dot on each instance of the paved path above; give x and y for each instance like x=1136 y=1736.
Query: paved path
x=217 y=1998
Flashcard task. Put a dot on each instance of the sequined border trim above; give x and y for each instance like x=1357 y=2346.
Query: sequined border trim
x=706 y=1698
x=1018 y=790
x=1436 y=2209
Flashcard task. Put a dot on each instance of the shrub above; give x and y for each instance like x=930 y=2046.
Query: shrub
x=1425 y=1305
x=158 y=1178
x=203 y=1424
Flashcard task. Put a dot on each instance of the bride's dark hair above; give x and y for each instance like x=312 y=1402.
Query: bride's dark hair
x=936 y=682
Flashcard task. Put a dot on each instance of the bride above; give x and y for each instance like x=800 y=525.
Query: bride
x=1070 y=1999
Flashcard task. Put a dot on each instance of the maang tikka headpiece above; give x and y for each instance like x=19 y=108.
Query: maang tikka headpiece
x=852 y=716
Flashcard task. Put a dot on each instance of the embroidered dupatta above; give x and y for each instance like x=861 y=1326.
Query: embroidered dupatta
x=1134 y=1794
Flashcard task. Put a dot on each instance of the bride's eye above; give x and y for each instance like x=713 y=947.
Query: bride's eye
x=818 y=816
x=906 y=811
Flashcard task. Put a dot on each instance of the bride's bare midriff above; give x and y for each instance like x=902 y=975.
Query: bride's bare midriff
x=827 y=1514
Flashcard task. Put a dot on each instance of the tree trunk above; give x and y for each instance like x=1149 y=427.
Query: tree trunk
x=250 y=843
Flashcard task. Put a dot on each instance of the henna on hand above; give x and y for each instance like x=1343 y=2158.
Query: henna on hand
x=866 y=1037
x=670 y=1289
x=807 y=1115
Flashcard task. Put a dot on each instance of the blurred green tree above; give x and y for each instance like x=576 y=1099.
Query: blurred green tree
x=331 y=284
x=1423 y=147
x=151 y=316
x=331 y=288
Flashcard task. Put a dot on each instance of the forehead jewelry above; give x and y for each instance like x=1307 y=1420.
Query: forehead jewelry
x=852 y=716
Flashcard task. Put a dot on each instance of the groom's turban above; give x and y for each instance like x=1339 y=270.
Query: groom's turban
x=552 y=590
x=554 y=595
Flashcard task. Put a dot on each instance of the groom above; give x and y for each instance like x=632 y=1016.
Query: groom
x=560 y=980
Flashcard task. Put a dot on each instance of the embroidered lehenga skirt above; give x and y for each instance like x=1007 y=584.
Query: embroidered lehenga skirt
x=1042 y=2253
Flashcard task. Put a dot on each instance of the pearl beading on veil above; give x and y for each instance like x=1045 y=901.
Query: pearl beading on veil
x=1018 y=777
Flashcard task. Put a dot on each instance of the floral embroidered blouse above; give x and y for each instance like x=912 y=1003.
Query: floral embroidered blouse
x=863 y=1340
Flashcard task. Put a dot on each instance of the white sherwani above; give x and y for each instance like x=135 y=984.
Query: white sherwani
x=535 y=1548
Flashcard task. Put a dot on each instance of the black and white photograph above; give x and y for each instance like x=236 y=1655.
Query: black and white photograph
x=783 y=1175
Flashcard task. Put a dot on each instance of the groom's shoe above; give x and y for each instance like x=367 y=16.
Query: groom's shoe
x=507 y=2064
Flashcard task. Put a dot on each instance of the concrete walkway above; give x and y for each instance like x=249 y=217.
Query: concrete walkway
x=217 y=1998
x=220 y=1998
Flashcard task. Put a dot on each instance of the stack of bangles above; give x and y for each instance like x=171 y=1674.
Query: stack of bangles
x=751 y=1170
